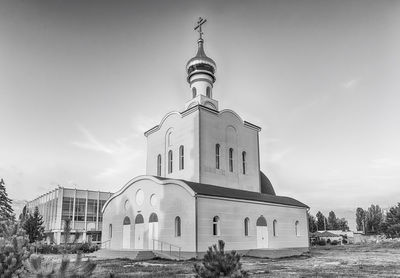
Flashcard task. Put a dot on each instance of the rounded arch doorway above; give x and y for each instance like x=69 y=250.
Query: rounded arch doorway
x=262 y=232
x=153 y=230
x=139 y=231
x=126 y=233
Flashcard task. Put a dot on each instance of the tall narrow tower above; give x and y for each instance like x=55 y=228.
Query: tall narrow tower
x=201 y=74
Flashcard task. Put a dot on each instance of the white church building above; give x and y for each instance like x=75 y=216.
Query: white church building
x=203 y=183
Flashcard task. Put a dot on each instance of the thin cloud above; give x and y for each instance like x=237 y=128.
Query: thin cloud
x=351 y=83
x=92 y=143
x=278 y=156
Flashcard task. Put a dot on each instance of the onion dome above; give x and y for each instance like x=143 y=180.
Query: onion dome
x=201 y=63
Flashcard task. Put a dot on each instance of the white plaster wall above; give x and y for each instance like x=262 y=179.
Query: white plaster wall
x=173 y=200
x=232 y=215
x=213 y=130
x=184 y=132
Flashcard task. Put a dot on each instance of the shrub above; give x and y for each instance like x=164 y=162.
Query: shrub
x=14 y=250
x=217 y=263
x=321 y=242
x=81 y=269
x=334 y=242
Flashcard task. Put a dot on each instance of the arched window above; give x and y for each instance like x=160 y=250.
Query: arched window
x=127 y=221
x=153 y=218
x=261 y=221
x=230 y=160
x=217 y=156
x=274 y=227
x=296 y=228
x=244 y=163
x=170 y=161
x=194 y=92
x=177 y=226
x=110 y=231
x=208 y=92
x=159 y=165
x=216 y=228
x=169 y=138
x=246 y=226
x=139 y=219
x=181 y=158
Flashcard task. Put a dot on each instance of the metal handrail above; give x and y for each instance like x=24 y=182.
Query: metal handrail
x=161 y=243
x=101 y=244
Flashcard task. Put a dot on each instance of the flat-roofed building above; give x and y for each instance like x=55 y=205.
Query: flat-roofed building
x=83 y=207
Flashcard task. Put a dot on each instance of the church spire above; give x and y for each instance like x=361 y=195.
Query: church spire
x=201 y=70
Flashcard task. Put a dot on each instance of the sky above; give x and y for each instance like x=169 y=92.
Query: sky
x=80 y=81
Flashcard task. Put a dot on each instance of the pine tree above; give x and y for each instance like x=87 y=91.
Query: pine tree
x=34 y=226
x=217 y=263
x=6 y=211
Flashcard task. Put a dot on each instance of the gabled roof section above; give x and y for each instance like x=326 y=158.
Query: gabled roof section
x=225 y=192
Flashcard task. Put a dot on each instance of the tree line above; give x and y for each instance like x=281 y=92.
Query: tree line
x=320 y=223
x=375 y=220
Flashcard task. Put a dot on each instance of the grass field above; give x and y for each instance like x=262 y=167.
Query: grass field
x=373 y=260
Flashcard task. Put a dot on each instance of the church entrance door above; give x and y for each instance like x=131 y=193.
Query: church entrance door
x=126 y=233
x=153 y=230
x=139 y=231
x=262 y=232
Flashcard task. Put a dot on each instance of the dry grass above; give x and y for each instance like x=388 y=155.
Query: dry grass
x=373 y=260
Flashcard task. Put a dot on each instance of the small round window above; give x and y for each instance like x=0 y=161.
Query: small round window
x=153 y=200
x=139 y=197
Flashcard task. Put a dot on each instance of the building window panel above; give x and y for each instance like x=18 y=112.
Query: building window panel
x=181 y=158
x=230 y=160
x=67 y=208
x=217 y=151
x=244 y=163
x=101 y=205
x=274 y=227
x=177 y=226
x=91 y=210
x=80 y=206
x=216 y=226
x=246 y=226
x=170 y=162
x=159 y=165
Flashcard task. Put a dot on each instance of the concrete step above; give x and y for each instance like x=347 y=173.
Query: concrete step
x=169 y=256
x=116 y=254
x=145 y=255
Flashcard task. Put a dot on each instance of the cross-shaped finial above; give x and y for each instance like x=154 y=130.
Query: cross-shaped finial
x=198 y=26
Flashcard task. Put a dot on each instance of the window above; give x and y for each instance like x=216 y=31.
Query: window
x=170 y=161
x=216 y=231
x=169 y=138
x=194 y=92
x=230 y=160
x=110 y=231
x=246 y=226
x=208 y=92
x=274 y=224
x=159 y=165
x=101 y=205
x=127 y=221
x=153 y=218
x=177 y=226
x=67 y=207
x=244 y=163
x=91 y=210
x=217 y=156
x=296 y=227
x=80 y=206
x=181 y=158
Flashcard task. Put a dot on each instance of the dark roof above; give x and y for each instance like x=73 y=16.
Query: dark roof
x=266 y=185
x=225 y=192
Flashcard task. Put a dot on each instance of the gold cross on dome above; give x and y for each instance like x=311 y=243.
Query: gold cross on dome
x=198 y=26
